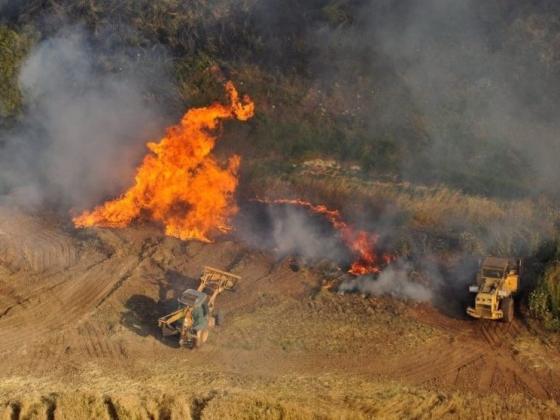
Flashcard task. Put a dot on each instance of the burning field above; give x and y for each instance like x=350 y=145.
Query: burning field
x=362 y=245
x=288 y=347
x=181 y=186
x=278 y=210
x=79 y=307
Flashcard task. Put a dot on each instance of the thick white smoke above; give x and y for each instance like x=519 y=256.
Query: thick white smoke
x=84 y=128
x=290 y=231
x=396 y=280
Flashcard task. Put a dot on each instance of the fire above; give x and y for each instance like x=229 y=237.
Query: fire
x=180 y=184
x=362 y=244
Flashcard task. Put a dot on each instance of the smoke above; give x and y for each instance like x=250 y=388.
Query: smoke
x=5 y=4
x=86 y=120
x=396 y=280
x=294 y=233
x=459 y=88
x=289 y=231
x=424 y=278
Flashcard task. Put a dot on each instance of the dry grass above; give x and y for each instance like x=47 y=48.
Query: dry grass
x=329 y=325
x=473 y=223
x=288 y=398
x=180 y=388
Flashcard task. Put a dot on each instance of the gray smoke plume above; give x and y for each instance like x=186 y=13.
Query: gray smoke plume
x=396 y=280
x=85 y=124
x=294 y=232
x=290 y=231
x=463 y=85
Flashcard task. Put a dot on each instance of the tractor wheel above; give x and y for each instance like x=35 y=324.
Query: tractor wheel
x=189 y=343
x=201 y=337
x=507 y=309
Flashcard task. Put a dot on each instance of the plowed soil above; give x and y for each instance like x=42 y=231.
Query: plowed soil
x=79 y=339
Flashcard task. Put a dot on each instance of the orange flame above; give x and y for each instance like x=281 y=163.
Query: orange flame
x=362 y=244
x=180 y=184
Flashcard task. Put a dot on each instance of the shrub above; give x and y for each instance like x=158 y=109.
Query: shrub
x=544 y=301
x=13 y=49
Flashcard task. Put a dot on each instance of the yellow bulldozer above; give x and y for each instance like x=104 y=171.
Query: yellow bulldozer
x=196 y=313
x=496 y=284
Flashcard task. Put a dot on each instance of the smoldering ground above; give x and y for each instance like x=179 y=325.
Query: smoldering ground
x=396 y=280
x=421 y=279
x=85 y=122
x=291 y=231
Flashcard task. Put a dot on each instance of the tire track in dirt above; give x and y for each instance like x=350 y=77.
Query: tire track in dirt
x=478 y=355
x=96 y=343
x=55 y=313
x=26 y=243
x=499 y=336
x=62 y=305
x=487 y=374
x=425 y=367
x=21 y=301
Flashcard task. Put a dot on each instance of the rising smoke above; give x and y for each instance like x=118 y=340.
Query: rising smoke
x=462 y=85
x=294 y=231
x=289 y=231
x=472 y=105
x=396 y=280
x=85 y=124
x=463 y=89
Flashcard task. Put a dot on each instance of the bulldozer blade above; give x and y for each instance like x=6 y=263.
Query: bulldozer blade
x=226 y=280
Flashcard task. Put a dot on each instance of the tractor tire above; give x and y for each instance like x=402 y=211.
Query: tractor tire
x=188 y=344
x=219 y=318
x=507 y=309
x=201 y=337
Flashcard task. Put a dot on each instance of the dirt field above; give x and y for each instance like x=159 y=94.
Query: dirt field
x=79 y=339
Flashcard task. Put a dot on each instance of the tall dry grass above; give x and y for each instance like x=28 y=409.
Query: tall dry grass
x=300 y=398
x=453 y=219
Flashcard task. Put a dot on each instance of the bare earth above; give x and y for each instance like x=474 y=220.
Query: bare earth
x=79 y=339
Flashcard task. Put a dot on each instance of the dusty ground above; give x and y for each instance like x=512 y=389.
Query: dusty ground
x=78 y=339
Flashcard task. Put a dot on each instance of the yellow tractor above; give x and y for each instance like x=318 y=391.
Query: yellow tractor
x=196 y=313
x=496 y=283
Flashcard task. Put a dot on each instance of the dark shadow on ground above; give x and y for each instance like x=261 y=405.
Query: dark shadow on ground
x=142 y=312
x=175 y=283
x=452 y=302
x=452 y=296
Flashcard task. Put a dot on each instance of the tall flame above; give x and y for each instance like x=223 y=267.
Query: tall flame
x=180 y=184
x=362 y=244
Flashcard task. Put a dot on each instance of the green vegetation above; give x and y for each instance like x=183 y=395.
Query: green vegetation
x=13 y=48
x=544 y=300
x=326 y=86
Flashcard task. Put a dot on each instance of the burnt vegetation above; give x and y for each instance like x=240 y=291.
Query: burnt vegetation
x=459 y=102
